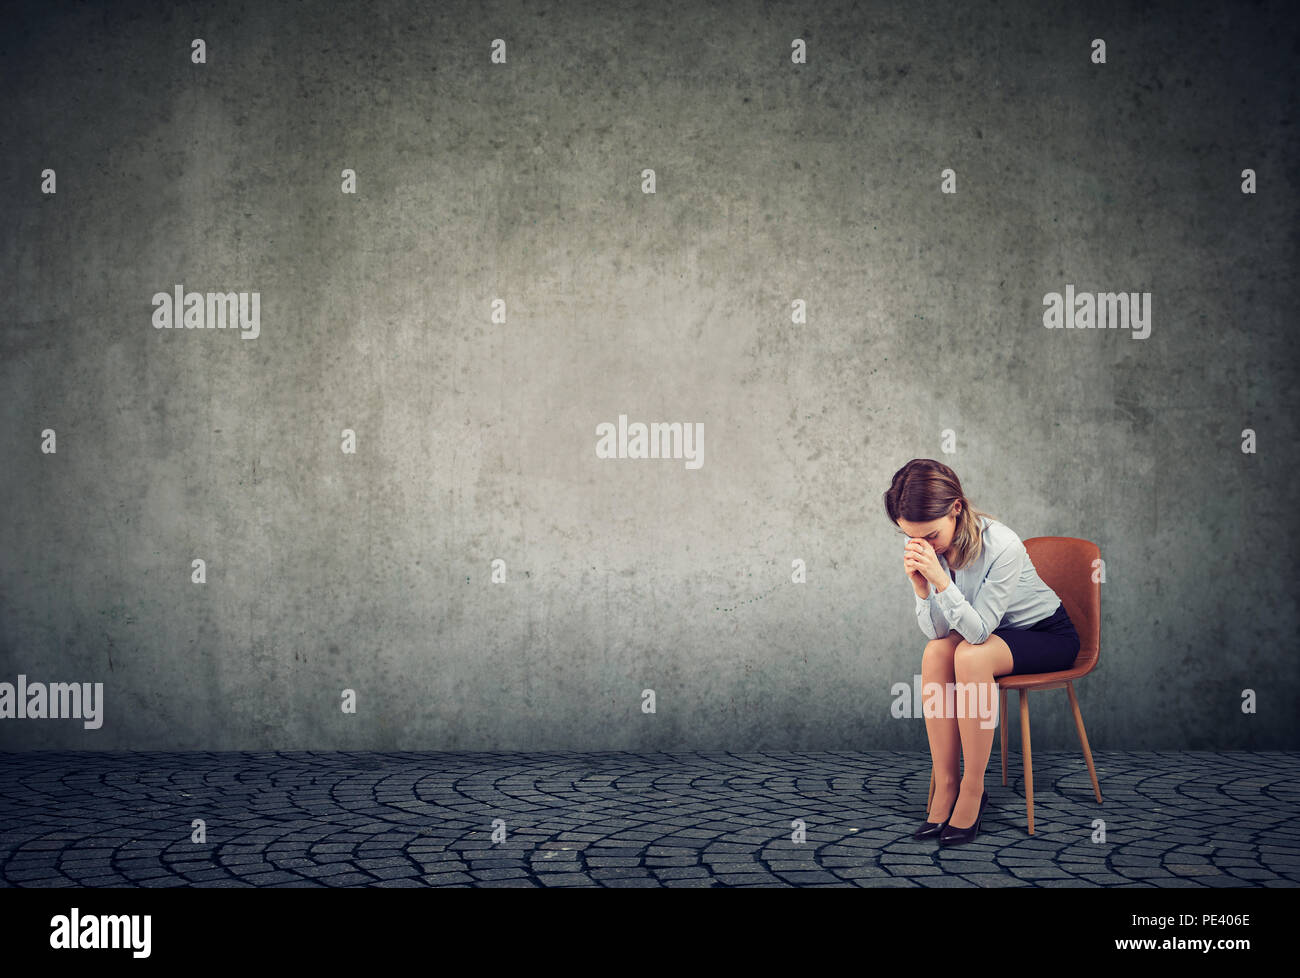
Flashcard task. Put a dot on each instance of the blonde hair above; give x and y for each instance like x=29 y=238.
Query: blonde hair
x=925 y=490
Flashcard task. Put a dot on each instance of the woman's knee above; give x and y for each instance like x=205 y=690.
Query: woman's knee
x=972 y=660
x=937 y=659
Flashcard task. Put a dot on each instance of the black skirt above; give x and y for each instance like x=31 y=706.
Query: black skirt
x=1050 y=645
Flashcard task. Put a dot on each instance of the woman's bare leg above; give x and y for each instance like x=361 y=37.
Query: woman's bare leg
x=977 y=664
x=945 y=738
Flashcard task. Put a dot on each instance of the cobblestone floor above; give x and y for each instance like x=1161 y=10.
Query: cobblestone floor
x=1178 y=819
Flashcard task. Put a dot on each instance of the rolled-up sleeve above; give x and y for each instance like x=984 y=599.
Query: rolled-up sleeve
x=930 y=618
x=976 y=620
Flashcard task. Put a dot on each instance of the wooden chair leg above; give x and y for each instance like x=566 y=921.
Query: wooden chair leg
x=1083 y=739
x=1029 y=764
x=1002 y=720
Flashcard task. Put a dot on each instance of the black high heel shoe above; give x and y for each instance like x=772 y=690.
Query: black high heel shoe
x=951 y=836
x=929 y=830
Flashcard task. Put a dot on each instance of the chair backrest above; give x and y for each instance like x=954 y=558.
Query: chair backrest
x=1066 y=566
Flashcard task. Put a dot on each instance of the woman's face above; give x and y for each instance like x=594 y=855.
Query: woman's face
x=938 y=532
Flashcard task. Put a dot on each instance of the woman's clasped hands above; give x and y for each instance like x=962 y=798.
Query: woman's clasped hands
x=921 y=564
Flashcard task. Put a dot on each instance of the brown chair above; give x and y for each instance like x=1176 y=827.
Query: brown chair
x=1066 y=566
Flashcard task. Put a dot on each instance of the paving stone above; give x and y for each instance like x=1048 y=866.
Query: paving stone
x=265 y=879
x=863 y=872
x=394 y=872
x=567 y=879
x=196 y=875
x=369 y=865
x=748 y=879
x=681 y=872
x=1041 y=873
x=446 y=876
x=653 y=861
x=806 y=876
x=498 y=874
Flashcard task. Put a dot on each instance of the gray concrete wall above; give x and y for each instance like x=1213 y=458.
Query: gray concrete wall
x=476 y=440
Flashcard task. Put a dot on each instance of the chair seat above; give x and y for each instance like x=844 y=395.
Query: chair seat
x=1033 y=679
